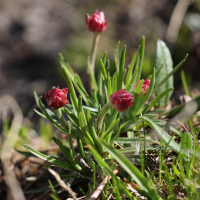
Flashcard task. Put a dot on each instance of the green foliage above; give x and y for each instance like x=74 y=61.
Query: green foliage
x=109 y=142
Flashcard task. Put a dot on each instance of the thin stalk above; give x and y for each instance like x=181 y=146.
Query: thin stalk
x=93 y=55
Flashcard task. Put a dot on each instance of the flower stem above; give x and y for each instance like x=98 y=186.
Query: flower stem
x=93 y=55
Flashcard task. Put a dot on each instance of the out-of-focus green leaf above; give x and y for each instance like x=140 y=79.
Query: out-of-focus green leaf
x=163 y=57
x=186 y=141
x=184 y=82
x=131 y=140
x=117 y=56
x=134 y=149
x=174 y=111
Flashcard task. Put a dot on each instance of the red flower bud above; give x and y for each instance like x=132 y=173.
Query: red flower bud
x=145 y=87
x=121 y=100
x=57 y=98
x=97 y=22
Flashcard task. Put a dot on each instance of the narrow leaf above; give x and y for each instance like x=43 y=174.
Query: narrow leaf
x=53 y=161
x=117 y=56
x=132 y=171
x=129 y=74
x=121 y=69
x=140 y=59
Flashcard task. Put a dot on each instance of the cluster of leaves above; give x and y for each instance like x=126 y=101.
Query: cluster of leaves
x=118 y=141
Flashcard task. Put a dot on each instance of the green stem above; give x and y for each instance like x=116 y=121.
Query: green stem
x=94 y=50
x=93 y=55
x=102 y=114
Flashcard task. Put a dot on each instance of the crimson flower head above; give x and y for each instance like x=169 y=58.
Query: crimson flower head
x=145 y=87
x=57 y=98
x=97 y=22
x=121 y=100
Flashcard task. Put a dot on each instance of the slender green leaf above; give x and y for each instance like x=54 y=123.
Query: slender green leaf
x=111 y=127
x=129 y=74
x=114 y=82
x=154 y=101
x=186 y=141
x=80 y=148
x=130 y=85
x=53 y=161
x=85 y=95
x=158 y=71
x=117 y=56
x=36 y=98
x=170 y=74
x=71 y=88
x=71 y=116
x=121 y=69
x=115 y=136
x=184 y=82
x=132 y=171
x=103 y=70
x=140 y=59
x=55 y=123
x=136 y=94
x=149 y=92
x=67 y=67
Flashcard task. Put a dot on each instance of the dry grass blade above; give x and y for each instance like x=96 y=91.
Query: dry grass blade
x=101 y=186
x=14 y=189
x=62 y=183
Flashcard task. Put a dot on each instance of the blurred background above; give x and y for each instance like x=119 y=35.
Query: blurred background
x=33 y=33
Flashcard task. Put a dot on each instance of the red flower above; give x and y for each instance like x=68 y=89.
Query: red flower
x=97 y=22
x=57 y=98
x=145 y=87
x=121 y=100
